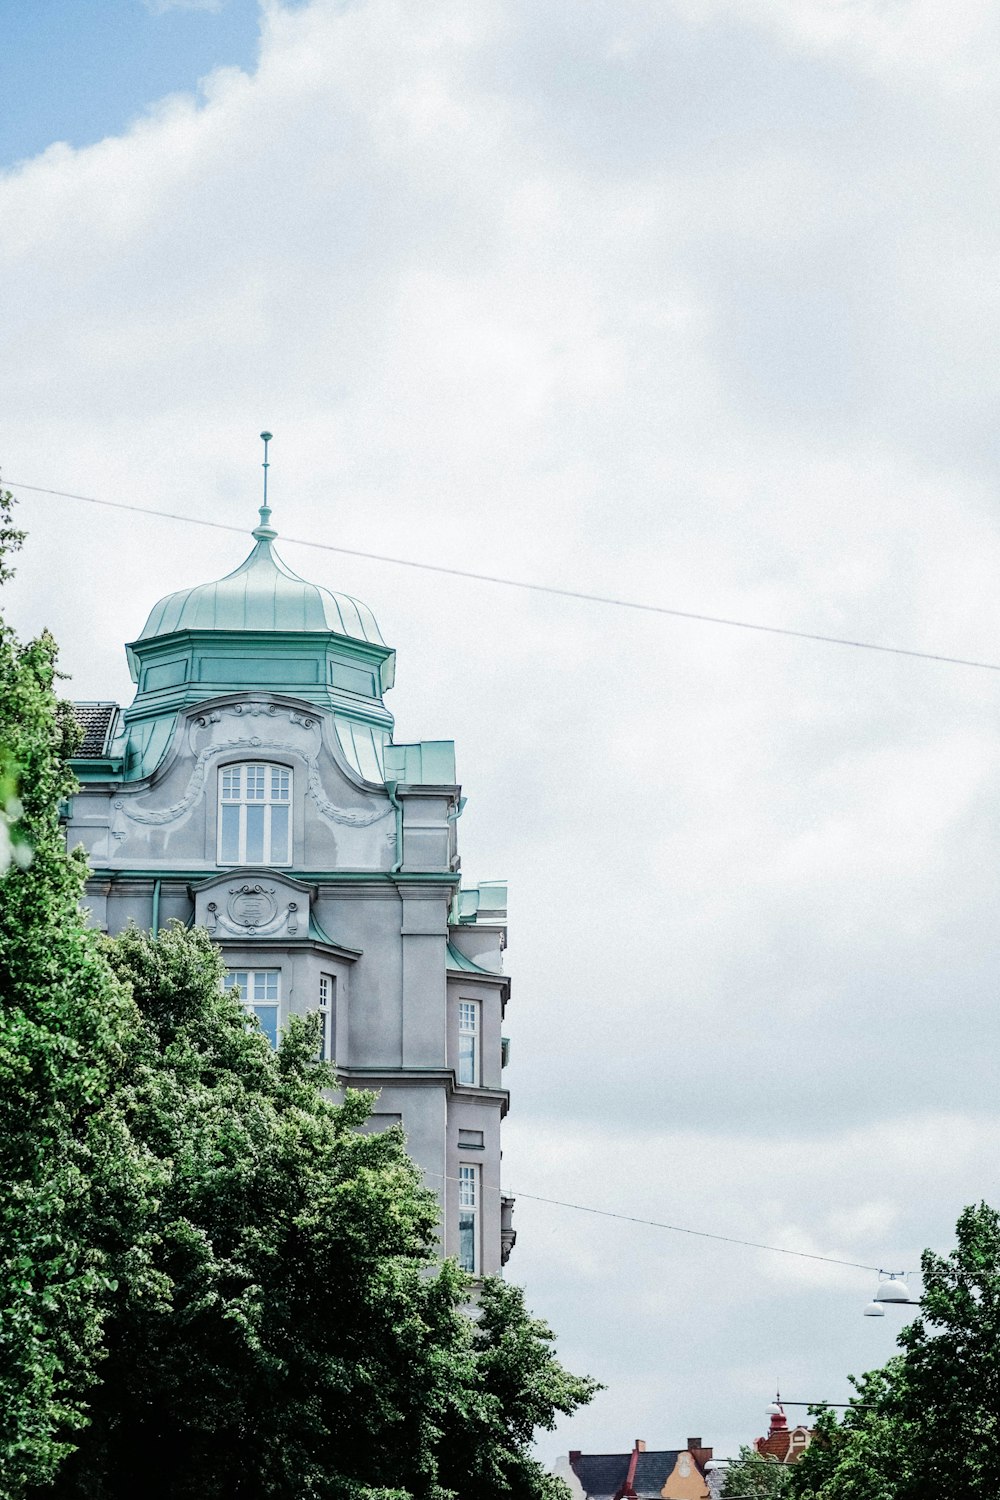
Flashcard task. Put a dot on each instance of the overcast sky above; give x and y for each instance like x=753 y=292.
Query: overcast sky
x=688 y=301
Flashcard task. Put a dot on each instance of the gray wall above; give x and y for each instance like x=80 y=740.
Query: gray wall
x=347 y=905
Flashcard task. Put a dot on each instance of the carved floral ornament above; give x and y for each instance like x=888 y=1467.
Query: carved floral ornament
x=345 y=817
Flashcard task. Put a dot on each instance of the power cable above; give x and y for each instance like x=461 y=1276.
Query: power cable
x=553 y=590
x=702 y=1234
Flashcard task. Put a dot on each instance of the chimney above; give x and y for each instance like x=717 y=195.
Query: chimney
x=626 y=1490
x=701 y=1455
x=574 y=1455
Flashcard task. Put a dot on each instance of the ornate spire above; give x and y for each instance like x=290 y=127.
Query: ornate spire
x=779 y=1422
x=265 y=531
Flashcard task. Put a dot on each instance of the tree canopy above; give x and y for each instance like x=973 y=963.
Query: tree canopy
x=285 y=1330
x=752 y=1476
x=927 y=1422
x=65 y=1022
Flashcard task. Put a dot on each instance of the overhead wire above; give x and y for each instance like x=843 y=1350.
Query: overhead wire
x=702 y=1234
x=553 y=590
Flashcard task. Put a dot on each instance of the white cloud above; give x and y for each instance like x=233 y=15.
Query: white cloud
x=901 y=41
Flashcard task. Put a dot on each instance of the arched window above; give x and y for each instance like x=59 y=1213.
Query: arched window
x=255 y=814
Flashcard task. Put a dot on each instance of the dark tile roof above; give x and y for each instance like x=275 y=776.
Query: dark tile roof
x=95 y=721
x=653 y=1470
x=601 y=1474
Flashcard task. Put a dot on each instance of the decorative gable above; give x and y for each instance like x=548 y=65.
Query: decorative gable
x=253 y=904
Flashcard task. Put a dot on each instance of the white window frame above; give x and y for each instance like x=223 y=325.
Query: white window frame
x=470 y=1022
x=277 y=785
x=260 y=989
x=470 y=1193
x=326 y=1006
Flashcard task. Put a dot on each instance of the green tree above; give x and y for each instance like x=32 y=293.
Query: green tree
x=65 y=1024
x=860 y=1457
x=929 y=1420
x=511 y=1387
x=285 y=1332
x=14 y=848
x=752 y=1476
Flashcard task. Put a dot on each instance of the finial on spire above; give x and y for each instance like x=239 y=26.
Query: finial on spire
x=265 y=530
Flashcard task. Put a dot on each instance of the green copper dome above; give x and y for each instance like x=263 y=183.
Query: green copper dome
x=262 y=628
x=262 y=594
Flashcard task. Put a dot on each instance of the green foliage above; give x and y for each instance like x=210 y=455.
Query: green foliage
x=277 y=1328
x=14 y=847
x=751 y=1476
x=283 y=1254
x=858 y=1458
x=10 y=537
x=927 y=1422
x=949 y=1390
x=65 y=1022
x=510 y=1387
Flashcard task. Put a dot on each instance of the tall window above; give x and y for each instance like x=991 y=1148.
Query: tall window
x=468 y=1041
x=468 y=1219
x=255 y=814
x=260 y=992
x=326 y=994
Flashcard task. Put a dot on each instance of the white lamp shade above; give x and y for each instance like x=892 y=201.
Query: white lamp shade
x=895 y=1290
x=874 y=1310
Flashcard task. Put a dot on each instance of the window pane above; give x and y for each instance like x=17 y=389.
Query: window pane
x=467 y=1187
x=259 y=991
x=265 y=984
x=267 y=1015
x=466 y=1058
x=467 y=1241
x=280 y=781
x=325 y=1017
x=229 y=851
x=255 y=835
x=231 y=783
x=279 y=834
x=255 y=783
x=467 y=1015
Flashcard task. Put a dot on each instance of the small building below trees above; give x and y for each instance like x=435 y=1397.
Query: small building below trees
x=642 y=1474
x=784 y=1444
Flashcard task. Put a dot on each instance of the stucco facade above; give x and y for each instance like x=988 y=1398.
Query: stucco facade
x=253 y=787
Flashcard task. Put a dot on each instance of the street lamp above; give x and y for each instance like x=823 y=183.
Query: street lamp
x=893 y=1291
